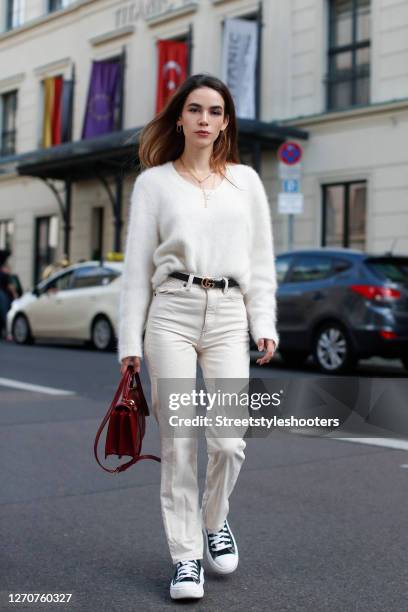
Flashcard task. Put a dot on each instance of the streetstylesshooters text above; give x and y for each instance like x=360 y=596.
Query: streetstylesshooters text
x=254 y=401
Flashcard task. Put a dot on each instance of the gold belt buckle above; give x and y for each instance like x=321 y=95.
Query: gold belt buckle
x=207 y=283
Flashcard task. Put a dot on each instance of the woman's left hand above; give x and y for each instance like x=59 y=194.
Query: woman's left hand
x=265 y=344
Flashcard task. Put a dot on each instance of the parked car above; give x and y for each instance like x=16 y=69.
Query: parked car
x=341 y=305
x=79 y=302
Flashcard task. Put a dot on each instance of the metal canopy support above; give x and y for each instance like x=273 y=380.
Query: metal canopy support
x=108 y=190
x=57 y=195
x=115 y=199
x=65 y=209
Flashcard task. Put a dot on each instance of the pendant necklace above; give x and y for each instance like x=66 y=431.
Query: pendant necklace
x=206 y=195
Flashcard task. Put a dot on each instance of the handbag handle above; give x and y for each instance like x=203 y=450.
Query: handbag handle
x=123 y=385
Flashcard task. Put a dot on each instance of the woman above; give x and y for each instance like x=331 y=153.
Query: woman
x=198 y=275
x=7 y=291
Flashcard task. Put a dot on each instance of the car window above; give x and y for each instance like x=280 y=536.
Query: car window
x=93 y=276
x=392 y=269
x=340 y=265
x=113 y=272
x=62 y=282
x=282 y=266
x=310 y=268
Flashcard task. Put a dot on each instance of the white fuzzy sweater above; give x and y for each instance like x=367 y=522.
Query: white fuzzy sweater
x=170 y=229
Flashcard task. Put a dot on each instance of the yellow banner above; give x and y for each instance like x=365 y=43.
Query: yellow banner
x=48 y=106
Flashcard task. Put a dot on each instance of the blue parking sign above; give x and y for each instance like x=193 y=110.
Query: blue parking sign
x=291 y=186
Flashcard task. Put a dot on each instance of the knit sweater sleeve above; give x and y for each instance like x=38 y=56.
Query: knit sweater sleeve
x=260 y=299
x=136 y=288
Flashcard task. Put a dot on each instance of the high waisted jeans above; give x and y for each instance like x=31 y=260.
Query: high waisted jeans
x=187 y=322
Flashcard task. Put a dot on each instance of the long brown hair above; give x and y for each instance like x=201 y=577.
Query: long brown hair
x=160 y=142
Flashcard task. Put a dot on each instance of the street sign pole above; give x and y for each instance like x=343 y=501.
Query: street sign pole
x=290 y=200
x=290 y=232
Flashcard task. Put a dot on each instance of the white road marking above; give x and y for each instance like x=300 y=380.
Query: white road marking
x=385 y=442
x=17 y=384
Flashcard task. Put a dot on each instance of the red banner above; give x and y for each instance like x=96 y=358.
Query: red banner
x=172 y=71
x=57 y=111
x=57 y=117
x=52 y=111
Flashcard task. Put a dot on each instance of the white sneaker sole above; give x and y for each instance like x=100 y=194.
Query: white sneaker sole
x=213 y=564
x=185 y=590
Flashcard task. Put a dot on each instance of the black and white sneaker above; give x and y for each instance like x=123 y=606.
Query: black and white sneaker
x=188 y=580
x=221 y=550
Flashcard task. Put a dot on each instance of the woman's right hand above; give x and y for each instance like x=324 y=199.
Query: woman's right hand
x=135 y=362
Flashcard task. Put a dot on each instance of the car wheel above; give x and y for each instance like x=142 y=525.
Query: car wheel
x=293 y=358
x=21 y=331
x=102 y=334
x=332 y=350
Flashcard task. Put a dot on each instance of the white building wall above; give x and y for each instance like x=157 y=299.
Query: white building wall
x=390 y=50
x=365 y=147
x=307 y=48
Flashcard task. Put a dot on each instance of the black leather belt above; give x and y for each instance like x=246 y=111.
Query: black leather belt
x=207 y=283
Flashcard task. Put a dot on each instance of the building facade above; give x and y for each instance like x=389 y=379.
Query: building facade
x=336 y=70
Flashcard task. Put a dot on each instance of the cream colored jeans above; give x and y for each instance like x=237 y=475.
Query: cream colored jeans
x=187 y=323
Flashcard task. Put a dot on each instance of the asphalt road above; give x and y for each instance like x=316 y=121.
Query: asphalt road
x=321 y=524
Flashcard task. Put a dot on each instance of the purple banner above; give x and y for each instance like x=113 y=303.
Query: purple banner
x=103 y=99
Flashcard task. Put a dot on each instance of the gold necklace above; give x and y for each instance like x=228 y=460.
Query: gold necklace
x=206 y=195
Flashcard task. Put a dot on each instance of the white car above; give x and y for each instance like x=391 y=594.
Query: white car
x=80 y=302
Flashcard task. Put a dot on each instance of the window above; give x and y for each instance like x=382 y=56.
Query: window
x=310 y=268
x=394 y=269
x=14 y=13
x=46 y=240
x=282 y=265
x=56 y=5
x=348 y=80
x=344 y=215
x=93 y=276
x=61 y=283
x=6 y=235
x=340 y=265
x=8 y=123
x=97 y=228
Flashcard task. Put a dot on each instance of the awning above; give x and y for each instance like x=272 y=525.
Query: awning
x=110 y=157
x=116 y=152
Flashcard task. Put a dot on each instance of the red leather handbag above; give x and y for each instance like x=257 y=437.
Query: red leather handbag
x=127 y=423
